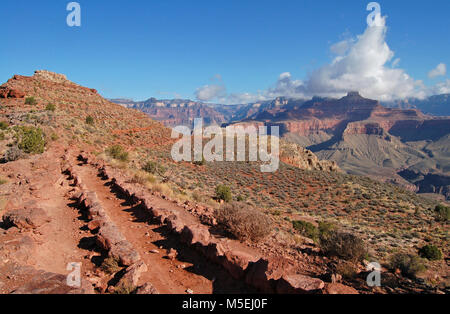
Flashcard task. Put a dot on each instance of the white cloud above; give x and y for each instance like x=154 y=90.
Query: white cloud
x=442 y=88
x=365 y=64
x=341 y=47
x=364 y=68
x=210 y=92
x=440 y=70
x=396 y=62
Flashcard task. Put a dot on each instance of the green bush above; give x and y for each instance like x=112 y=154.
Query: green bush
x=50 y=107
x=431 y=252
x=31 y=140
x=244 y=221
x=90 y=120
x=223 y=192
x=344 y=245
x=3 y=125
x=30 y=101
x=326 y=229
x=442 y=213
x=309 y=230
x=153 y=168
x=2 y=136
x=306 y=229
x=117 y=152
x=409 y=265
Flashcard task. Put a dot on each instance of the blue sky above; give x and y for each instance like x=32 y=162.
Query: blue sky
x=139 y=49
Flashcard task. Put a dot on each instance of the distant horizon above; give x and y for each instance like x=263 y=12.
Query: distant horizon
x=268 y=100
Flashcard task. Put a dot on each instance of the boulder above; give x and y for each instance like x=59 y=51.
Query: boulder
x=174 y=223
x=43 y=282
x=125 y=252
x=236 y=262
x=21 y=250
x=160 y=214
x=196 y=234
x=14 y=93
x=96 y=211
x=27 y=218
x=4 y=91
x=215 y=252
x=337 y=288
x=147 y=289
x=108 y=236
x=133 y=274
x=299 y=284
x=94 y=225
x=264 y=274
x=91 y=199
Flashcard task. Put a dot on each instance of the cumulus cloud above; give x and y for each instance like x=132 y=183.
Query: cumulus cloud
x=360 y=65
x=442 y=88
x=365 y=64
x=439 y=70
x=210 y=92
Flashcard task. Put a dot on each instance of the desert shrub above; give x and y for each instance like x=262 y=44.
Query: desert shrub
x=143 y=178
x=125 y=288
x=347 y=270
x=244 y=221
x=89 y=120
x=223 y=192
x=110 y=265
x=54 y=137
x=3 y=181
x=345 y=245
x=442 y=213
x=50 y=107
x=431 y=252
x=30 y=101
x=306 y=229
x=13 y=154
x=162 y=188
x=196 y=196
x=117 y=152
x=309 y=230
x=409 y=265
x=31 y=140
x=3 y=125
x=153 y=168
x=326 y=228
x=2 y=136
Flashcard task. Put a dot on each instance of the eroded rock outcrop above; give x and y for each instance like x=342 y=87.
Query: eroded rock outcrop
x=302 y=158
x=6 y=92
x=26 y=218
